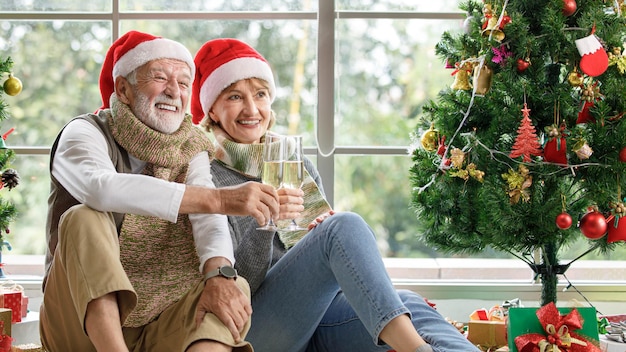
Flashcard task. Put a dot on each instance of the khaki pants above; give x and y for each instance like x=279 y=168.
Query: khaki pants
x=86 y=266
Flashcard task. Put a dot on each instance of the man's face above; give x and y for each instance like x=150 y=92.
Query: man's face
x=160 y=97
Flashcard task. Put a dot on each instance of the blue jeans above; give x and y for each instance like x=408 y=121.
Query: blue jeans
x=331 y=292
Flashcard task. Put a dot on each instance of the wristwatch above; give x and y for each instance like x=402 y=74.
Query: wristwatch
x=226 y=271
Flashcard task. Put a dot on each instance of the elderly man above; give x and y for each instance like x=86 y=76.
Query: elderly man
x=139 y=257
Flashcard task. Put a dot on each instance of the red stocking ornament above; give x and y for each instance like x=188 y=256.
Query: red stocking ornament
x=594 y=59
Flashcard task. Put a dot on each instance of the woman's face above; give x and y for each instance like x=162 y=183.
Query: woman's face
x=243 y=110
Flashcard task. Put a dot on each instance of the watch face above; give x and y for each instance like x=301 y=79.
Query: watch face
x=228 y=271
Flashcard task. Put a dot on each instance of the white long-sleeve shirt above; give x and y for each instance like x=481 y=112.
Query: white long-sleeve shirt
x=83 y=166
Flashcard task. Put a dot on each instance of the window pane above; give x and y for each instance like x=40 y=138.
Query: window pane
x=399 y=5
x=295 y=70
x=387 y=69
x=376 y=188
x=55 y=5
x=59 y=64
x=28 y=232
x=217 y=5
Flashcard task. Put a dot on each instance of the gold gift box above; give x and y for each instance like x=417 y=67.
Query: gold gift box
x=487 y=333
x=5 y=316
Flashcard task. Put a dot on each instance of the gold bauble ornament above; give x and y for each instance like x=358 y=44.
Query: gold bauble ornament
x=574 y=78
x=12 y=86
x=430 y=139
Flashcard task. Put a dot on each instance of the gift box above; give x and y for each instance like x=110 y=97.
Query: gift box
x=551 y=327
x=5 y=321
x=24 y=306
x=487 y=328
x=5 y=329
x=29 y=347
x=13 y=301
x=487 y=335
x=607 y=345
x=11 y=297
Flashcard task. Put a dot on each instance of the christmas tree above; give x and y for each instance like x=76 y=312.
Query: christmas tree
x=536 y=140
x=10 y=178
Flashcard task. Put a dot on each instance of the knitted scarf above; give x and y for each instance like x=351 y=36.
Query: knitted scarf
x=158 y=256
x=248 y=160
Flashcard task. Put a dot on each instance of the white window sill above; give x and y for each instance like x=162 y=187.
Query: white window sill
x=457 y=286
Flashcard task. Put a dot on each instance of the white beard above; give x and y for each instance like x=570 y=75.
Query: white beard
x=155 y=118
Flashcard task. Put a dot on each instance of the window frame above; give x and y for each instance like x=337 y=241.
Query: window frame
x=327 y=14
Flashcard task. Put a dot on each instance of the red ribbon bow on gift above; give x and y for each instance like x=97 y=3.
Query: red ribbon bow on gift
x=559 y=333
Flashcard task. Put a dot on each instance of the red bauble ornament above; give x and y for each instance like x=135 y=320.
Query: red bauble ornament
x=563 y=221
x=622 y=155
x=522 y=65
x=593 y=225
x=569 y=7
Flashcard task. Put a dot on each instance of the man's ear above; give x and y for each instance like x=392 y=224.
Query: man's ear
x=123 y=90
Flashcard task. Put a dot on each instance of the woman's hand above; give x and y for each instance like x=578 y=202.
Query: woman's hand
x=291 y=203
x=318 y=220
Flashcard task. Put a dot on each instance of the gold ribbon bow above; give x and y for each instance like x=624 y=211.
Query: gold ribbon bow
x=561 y=338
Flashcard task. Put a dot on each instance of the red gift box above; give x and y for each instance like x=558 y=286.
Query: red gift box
x=13 y=301
x=24 y=306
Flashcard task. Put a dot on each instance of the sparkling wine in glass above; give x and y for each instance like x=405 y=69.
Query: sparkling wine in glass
x=272 y=173
x=293 y=170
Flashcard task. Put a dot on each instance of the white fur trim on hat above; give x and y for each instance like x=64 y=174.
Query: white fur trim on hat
x=231 y=72
x=144 y=52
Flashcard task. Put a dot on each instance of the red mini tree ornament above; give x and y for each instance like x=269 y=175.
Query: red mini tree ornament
x=526 y=143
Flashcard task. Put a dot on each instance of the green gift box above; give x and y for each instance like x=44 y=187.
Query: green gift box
x=525 y=321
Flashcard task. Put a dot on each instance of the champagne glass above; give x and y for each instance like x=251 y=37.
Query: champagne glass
x=272 y=173
x=293 y=170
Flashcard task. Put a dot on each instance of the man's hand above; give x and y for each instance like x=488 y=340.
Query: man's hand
x=251 y=198
x=222 y=297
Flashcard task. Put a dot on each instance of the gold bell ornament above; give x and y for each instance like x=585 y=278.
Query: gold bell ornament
x=461 y=77
x=493 y=30
x=482 y=79
x=430 y=138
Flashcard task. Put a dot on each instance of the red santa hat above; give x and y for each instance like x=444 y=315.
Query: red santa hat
x=220 y=63
x=133 y=50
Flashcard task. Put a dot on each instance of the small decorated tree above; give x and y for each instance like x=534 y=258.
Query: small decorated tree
x=10 y=178
x=563 y=60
